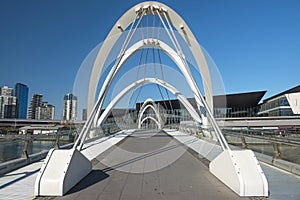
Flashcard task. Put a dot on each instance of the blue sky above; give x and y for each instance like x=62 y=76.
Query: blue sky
x=255 y=43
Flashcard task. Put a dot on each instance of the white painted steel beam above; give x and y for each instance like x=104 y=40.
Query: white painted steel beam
x=143 y=109
x=165 y=48
x=169 y=87
x=153 y=119
x=237 y=169
x=125 y=20
x=61 y=170
x=149 y=103
x=241 y=172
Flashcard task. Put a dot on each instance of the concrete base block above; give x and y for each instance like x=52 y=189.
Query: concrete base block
x=240 y=171
x=62 y=169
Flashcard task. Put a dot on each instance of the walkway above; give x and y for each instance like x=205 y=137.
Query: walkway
x=146 y=165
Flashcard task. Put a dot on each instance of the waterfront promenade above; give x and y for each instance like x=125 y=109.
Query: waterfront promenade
x=119 y=174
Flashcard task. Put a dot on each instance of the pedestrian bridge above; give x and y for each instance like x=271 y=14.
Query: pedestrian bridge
x=145 y=150
x=138 y=163
x=147 y=158
x=150 y=164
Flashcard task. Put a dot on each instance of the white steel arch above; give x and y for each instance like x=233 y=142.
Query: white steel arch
x=153 y=119
x=131 y=15
x=63 y=168
x=165 y=48
x=143 y=111
x=169 y=87
x=146 y=102
x=144 y=107
x=173 y=20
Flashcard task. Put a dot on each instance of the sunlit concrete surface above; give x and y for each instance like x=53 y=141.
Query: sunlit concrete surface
x=185 y=178
x=19 y=184
x=282 y=184
x=146 y=165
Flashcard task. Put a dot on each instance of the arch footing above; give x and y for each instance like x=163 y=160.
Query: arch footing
x=61 y=170
x=241 y=172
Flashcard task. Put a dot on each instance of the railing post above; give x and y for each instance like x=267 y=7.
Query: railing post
x=56 y=145
x=244 y=144
x=25 y=149
x=276 y=150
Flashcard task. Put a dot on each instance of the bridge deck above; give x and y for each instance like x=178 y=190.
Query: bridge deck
x=185 y=178
x=149 y=165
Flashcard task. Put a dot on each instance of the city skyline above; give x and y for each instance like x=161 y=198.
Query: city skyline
x=255 y=44
x=21 y=105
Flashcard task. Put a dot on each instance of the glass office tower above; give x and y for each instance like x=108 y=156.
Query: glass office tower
x=21 y=92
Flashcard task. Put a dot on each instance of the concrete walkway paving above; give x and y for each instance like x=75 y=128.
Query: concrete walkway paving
x=146 y=166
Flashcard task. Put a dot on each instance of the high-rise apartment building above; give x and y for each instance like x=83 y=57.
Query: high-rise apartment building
x=39 y=109
x=36 y=102
x=21 y=93
x=84 y=114
x=6 y=91
x=45 y=111
x=70 y=107
x=7 y=103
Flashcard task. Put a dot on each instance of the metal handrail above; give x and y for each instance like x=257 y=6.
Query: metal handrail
x=268 y=138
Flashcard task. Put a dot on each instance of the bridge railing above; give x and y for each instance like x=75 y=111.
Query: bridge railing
x=194 y=129
x=281 y=147
x=25 y=149
x=20 y=150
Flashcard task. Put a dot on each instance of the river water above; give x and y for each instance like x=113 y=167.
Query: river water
x=13 y=150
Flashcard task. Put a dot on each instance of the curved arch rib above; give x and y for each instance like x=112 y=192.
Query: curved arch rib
x=181 y=98
x=153 y=119
x=165 y=48
x=143 y=109
x=146 y=102
x=124 y=21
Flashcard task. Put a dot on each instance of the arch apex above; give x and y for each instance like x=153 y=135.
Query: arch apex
x=122 y=24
